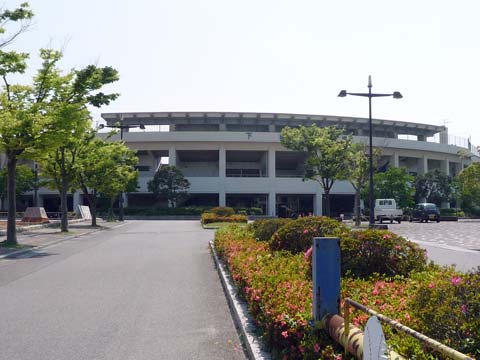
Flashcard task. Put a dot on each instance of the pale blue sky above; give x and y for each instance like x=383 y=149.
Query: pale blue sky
x=276 y=56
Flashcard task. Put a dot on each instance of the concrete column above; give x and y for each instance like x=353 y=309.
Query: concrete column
x=271 y=163
x=40 y=201
x=76 y=201
x=125 y=200
x=222 y=166
x=445 y=166
x=444 y=137
x=395 y=160
x=317 y=205
x=172 y=156
x=272 y=203
x=423 y=165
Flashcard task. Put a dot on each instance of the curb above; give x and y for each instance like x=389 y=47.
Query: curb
x=242 y=319
x=26 y=250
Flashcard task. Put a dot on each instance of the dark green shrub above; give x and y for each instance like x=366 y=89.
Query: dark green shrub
x=255 y=211
x=448 y=307
x=222 y=211
x=296 y=236
x=208 y=218
x=263 y=229
x=366 y=252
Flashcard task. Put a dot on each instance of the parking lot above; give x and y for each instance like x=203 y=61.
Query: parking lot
x=448 y=242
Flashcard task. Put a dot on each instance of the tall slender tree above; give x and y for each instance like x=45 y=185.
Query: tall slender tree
x=101 y=160
x=359 y=173
x=327 y=151
x=68 y=97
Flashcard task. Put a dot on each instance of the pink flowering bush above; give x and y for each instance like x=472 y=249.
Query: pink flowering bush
x=278 y=292
x=442 y=303
x=448 y=308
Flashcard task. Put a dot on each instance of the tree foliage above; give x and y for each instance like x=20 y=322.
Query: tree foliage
x=25 y=181
x=170 y=183
x=66 y=98
x=327 y=153
x=434 y=186
x=395 y=183
x=106 y=168
x=359 y=171
x=468 y=184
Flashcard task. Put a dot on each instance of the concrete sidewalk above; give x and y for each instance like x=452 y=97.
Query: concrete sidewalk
x=38 y=236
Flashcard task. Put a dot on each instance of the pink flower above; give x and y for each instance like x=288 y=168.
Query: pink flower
x=398 y=247
x=301 y=349
x=305 y=231
x=375 y=291
x=431 y=285
x=464 y=308
x=407 y=317
x=316 y=347
x=285 y=334
x=456 y=280
x=308 y=253
x=387 y=236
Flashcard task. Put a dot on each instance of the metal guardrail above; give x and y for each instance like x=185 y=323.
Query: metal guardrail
x=433 y=344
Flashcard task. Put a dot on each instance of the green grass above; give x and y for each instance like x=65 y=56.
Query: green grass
x=3 y=244
x=219 y=225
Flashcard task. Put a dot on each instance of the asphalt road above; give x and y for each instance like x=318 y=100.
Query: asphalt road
x=447 y=243
x=146 y=290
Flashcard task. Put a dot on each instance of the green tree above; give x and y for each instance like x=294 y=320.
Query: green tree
x=359 y=172
x=68 y=96
x=16 y=117
x=327 y=154
x=169 y=182
x=468 y=184
x=24 y=181
x=395 y=183
x=434 y=186
x=103 y=160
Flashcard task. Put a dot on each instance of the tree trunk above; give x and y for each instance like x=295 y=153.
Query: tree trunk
x=357 y=207
x=93 y=208
x=63 y=206
x=11 y=199
x=327 y=202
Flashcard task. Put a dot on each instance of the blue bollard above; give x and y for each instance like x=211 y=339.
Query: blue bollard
x=326 y=277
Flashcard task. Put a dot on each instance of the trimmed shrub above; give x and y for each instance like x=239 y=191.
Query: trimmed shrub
x=208 y=218
x=448 y=307
x=255 y=211
x=366 y=252
x=296 y=236
x=263 y=229
x=222 y=211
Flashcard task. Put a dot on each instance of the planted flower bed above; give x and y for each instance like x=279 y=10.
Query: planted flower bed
x=381 y=270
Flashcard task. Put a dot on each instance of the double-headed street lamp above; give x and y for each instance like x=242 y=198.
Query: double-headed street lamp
x=121 y=127
x=370 y=95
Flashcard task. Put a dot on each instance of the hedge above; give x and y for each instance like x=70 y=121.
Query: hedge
x=208 y=218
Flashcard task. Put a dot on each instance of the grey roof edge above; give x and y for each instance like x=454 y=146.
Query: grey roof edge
x=266 y=116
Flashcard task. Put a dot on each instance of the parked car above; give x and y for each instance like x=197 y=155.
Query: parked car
x=386 y=209
x=425 y=212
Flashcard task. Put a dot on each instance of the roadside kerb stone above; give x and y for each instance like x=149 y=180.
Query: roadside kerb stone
x=239 y=310
x=50 y=243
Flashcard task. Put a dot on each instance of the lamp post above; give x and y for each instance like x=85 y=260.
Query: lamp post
x=121 y=127
x=370 y=95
